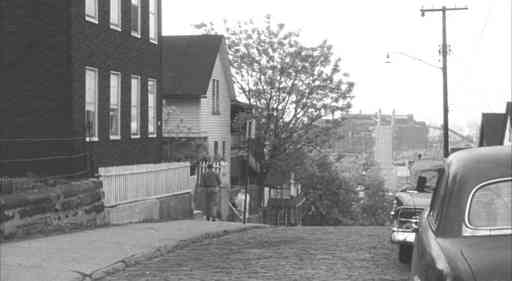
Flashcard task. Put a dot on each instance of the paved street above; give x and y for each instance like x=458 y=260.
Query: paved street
x=301 y=253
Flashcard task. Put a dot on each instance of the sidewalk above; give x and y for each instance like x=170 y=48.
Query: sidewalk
x=101 y=250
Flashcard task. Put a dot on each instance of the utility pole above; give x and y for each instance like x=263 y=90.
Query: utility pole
x=444 y=51
x=250 y=134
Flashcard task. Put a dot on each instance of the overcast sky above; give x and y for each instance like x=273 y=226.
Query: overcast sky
x=363 y=31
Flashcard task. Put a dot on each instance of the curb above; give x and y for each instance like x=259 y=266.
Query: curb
x=135 y=259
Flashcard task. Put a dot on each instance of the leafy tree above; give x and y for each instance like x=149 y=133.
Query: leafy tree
x=329 y=196
x=331 y=191
x=375 y=207
x=291 y=86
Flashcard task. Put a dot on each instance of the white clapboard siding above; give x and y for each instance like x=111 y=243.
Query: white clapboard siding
x=218 y=126
x=181 y=118
x=123 y=184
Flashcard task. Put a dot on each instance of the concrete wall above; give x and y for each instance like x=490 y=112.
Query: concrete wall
x=172 y=207
x=52 y=208
x=384 y=154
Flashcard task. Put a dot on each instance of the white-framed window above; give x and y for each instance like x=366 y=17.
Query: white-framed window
x=91 y=103
x=115 y=14
x=135 y=107
x=215 y=97
x=153 y=21
x=91 y=10
x=152 y=86
x=115 y=106
x=135 y=18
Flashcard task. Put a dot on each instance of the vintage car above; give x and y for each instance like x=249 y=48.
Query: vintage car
x=467 y=232
x=410 y=202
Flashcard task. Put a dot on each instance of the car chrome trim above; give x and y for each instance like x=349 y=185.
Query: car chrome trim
x=400 y=237
x=468 y=229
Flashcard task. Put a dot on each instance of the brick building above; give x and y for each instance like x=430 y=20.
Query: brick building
x=81 y=78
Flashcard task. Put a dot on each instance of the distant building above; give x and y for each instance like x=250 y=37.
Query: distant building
x=495 y=128
x=398 y=138
x=492 y=129
x=357 y=134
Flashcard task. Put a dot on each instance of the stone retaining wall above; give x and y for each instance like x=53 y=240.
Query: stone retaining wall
x=62 y=207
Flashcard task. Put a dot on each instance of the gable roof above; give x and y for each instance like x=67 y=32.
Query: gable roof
x=187 y=64
x=492 y=129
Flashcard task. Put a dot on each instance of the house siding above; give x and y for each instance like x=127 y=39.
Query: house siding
x=217 y=126
x=33 y=103
x=99 y=46
x=34 y=42
x=181 y=117
x=46 y=45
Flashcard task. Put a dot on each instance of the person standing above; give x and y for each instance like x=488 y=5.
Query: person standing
x=210 y=182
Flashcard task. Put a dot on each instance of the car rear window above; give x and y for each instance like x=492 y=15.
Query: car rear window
x=491 y=205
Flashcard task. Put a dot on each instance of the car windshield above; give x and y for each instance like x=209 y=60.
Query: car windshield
x=431 y=180
x=491 y=206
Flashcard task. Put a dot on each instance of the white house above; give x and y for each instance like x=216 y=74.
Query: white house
x=197 y=90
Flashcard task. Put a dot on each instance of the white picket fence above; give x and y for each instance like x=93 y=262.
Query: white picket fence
x=123 y=184
x=220 y=167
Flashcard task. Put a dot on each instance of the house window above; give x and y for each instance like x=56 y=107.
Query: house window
x=91 y=103
x=135 y=107
x=115 y=14
x=153 y=21
x=215 y=97
x=91 y=10
x=224 y=150
x=135 y=19
x=115 y=105
x=152 y=107
x=215 y=149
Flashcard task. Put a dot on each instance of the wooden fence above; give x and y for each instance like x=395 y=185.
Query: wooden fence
x=123 y=184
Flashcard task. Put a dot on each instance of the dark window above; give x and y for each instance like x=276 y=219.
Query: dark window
x=223 y=149
x=438 y=197
x=215 y=97
x=215 y=148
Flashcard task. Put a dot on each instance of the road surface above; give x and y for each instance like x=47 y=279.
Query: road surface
x=294 y=253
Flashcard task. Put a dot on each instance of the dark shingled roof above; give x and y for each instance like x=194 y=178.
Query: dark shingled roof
x=492 y=129
x=187 y=64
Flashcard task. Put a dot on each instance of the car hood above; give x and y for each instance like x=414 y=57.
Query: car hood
x=414 y=199
x=489 y=257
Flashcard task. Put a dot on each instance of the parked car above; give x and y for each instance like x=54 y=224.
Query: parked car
x=410 y=202
x=467 y=232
